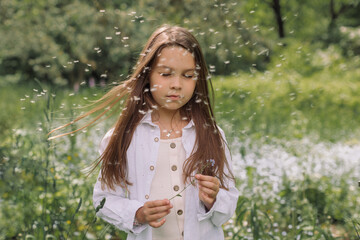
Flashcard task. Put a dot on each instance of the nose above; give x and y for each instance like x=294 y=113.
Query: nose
x=176 y=83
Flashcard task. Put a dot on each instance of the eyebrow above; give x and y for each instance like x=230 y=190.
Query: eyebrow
x=186 y=70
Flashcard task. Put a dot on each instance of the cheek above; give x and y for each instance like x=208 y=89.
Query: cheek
x=192 y=88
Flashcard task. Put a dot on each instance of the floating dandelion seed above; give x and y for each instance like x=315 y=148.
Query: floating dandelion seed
x=102 y=10
x=117 y=33
x=71 y=94
x=108 y=38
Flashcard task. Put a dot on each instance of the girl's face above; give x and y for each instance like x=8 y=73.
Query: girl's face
x=173 y=78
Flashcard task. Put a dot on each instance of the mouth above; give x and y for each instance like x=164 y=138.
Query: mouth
x=173 y=97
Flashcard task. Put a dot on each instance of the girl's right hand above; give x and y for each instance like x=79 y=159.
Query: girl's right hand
x=153 y=211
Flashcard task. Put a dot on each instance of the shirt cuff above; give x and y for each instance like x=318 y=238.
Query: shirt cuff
x=202 y=214
x=217 y=207
x=136 y=229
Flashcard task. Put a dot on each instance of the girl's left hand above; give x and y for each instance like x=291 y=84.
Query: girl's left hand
x=208 y=189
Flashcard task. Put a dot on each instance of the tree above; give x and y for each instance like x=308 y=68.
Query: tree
x=276 y=6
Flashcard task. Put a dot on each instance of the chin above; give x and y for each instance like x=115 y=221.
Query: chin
x=171 y=106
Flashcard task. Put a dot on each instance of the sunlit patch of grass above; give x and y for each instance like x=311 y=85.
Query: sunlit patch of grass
x=287 y=105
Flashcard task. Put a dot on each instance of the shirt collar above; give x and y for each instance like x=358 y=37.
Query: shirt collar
x=147 y=119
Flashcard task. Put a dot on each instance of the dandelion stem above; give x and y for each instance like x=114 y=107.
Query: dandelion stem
x=178 y=195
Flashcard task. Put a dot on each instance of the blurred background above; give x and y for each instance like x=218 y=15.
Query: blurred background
x=286 y=78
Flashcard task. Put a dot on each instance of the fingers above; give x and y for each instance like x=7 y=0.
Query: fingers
x=204 y=177
x=151 y=216
x=206 y=199
x=157 y=224
x=208 y=182
x=208 y=189
x=157 y=203
x=153 y=211
x=209 y=185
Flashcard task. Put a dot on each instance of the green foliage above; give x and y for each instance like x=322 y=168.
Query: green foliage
x=68 y=42
x=44 y=191
x=304 y=86
x=305 y=93
x=300 y=210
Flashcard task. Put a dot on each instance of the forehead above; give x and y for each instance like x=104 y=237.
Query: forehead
x=175 y=57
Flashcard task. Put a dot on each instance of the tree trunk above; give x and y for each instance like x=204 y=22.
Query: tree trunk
x=333 y=16
x=280 y=22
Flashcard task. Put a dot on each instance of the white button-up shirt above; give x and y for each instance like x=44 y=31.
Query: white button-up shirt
x=120 y=205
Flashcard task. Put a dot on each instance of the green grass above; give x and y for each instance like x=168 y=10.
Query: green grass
x=287 y=105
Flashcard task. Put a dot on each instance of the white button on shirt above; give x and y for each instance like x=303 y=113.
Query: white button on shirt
x=166 y=184
x=120 y=205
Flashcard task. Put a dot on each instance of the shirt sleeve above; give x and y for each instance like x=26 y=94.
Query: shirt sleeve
x=226 y=200
x=118 y=209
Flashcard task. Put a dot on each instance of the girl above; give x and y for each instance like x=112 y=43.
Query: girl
x=165 y=143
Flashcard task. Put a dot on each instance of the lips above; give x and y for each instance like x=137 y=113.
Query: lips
x=173 y=97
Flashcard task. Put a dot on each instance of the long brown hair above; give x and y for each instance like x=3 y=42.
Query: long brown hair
x=209 y=143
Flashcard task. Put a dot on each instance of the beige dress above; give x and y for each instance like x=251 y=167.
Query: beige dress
x=167 y=182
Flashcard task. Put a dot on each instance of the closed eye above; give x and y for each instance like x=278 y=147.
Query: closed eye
x=165 y=74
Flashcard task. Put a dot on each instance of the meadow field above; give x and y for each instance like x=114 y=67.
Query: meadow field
x=295 y=151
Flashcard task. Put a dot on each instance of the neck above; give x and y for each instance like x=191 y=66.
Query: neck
x=170 y=123
x=168 y=118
